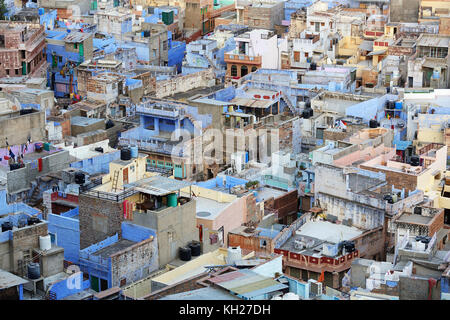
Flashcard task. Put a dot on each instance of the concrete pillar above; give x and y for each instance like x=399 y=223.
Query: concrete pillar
x=335 y=280
x=156 y=125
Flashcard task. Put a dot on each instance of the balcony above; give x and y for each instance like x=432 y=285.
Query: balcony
x=242 y=58
x=159 y=147
x=150 y=108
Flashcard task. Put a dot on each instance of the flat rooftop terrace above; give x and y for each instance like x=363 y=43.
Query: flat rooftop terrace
x=120 y=245
x=414 y=219
x=327 y=231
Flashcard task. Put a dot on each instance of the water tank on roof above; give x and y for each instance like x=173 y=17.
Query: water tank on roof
x=99 y=149
x=34 y=270
x=109 y=124
x=418 y=210
x=45 y=242
x=313 y=66
x=234 y=254
x=33 y=220
x=7 y=226
x=414 y=161
x=373 y=124
x=80 y=178
x=125 y=154
x=185 y=253
x=14 y=166
x=195 y=247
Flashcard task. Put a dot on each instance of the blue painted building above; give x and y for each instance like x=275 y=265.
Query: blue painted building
x=116 y=262
x=155 y=134
x=64 y=230
x=61 y=76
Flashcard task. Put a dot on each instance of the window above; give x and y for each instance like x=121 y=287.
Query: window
x=233 y=71
x=244 y=71
x=297 y=56
x=306 y=54
x=60 y=59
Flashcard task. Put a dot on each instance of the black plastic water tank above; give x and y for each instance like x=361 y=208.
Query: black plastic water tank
x=414 y=161
x=25 y=111
x=99 y=149
x=308 y=104
x=417 y=210
x=195 y=249
x=33 y=220
x=14 y=166
x=7 y=226
x=109 y=124
x=34 y=270
x=185 y=253
x=313 y=66
x=80 y=178
x=373 y=124
x=125 y=154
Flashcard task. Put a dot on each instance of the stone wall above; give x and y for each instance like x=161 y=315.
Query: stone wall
x=185 y=83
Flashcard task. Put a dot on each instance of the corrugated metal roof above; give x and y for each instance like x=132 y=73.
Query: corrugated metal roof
x=159 y=185
x=433 y=41
x=76 y=37
x=247 y=283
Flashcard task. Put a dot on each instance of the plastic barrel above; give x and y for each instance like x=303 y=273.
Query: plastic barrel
x=172 y=200
x=185 y=253
x=47 y=146
x=195 y=249
x=7 y=226
x=125 y=154
x=34 y=270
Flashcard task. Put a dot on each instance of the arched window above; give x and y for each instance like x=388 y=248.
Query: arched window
x=244 y=71
x=254 y=69
x=233 y=71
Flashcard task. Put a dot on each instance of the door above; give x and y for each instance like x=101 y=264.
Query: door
x=94 y=284
x=125 y=176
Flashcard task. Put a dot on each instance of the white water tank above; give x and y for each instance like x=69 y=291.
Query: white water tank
x=277 y=298
x=291 y=296
x=45 y=242
x=234 y=254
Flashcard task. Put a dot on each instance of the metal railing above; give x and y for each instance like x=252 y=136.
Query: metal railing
x=111 y=196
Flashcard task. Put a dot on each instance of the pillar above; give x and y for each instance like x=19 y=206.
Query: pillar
x=156 y=121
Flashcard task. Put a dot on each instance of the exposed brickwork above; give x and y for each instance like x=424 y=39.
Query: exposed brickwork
x=400 y=180
x=99 y=219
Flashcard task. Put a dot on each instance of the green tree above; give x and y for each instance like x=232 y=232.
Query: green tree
x=3 y=9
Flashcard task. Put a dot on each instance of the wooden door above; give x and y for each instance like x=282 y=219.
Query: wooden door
x=125 y=176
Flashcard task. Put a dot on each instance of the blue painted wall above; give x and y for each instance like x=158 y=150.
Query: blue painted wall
x=98 y=164
x=70 y=286
x=67 y=230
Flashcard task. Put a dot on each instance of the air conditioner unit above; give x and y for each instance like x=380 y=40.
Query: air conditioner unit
x=315 y=288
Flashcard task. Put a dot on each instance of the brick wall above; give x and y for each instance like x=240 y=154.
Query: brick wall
x=400 y=180
x=437 y=223
x=134 y=263
x=286 y=204
x=99 y=219
x=25 y=239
